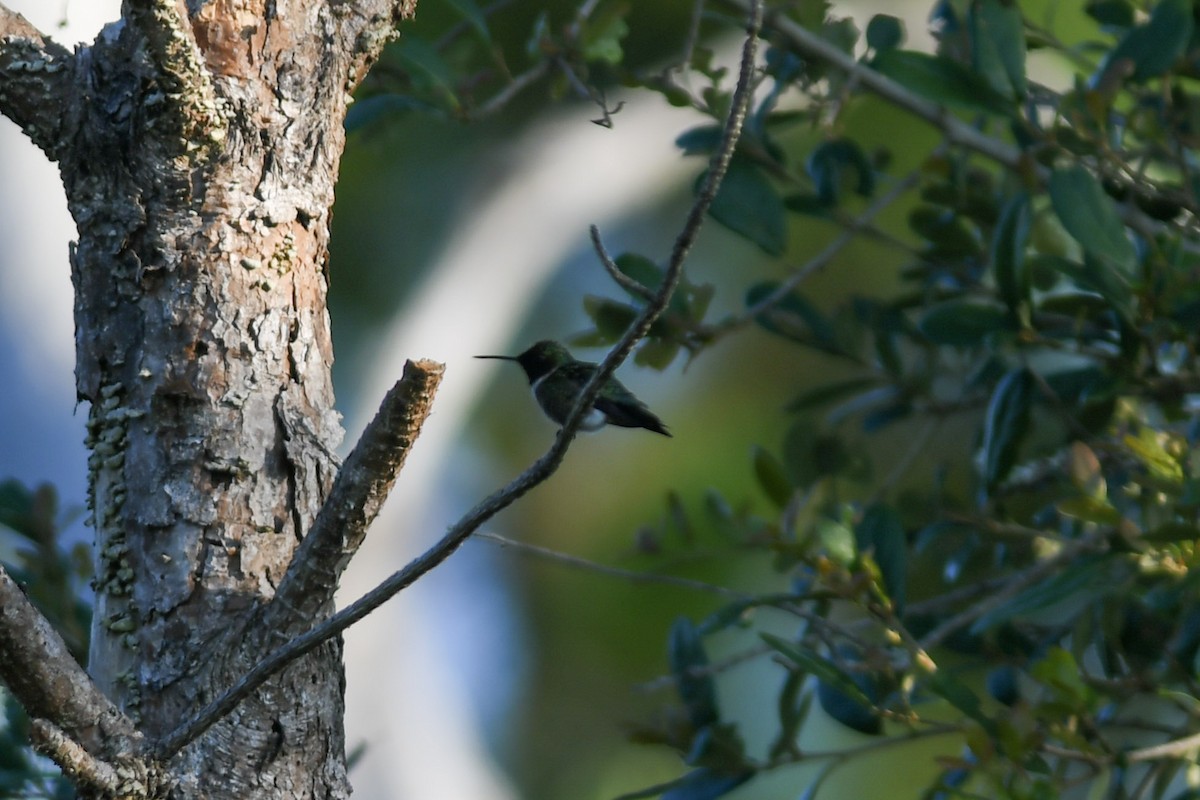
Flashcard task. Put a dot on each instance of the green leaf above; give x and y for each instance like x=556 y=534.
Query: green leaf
x=425 y=64
x=1089 y=509
x=854 y=709
x=772 y=476
x=793 y=317
x=793 y=705
x=700 y=140
x=706 y=784
x=885 y=32
x=1003 y=683
x=1153 y=48
x=647 y=273
x=998 y=45
x=1111 y=13
x=685 y=653
x=942 y=81
x=1148 y=449
x=1090 y=217
x=1005 y=424
x=749 y=205
x=601 y=39
x=964 y=323
x=656 y=353
x=1008 y=252
x=16 y=507
x=1088 y=574
x=370 y=110
x=959 y=695
x=831 y=393
x=1059 y=669
x=1173 y=532
x=471 y=13
x=611 y=318
x=838 y=164
x=837 y=541
x=818 y=667
x=944 y=229
x=881 y=533
x=719 y=748
x=650 y=275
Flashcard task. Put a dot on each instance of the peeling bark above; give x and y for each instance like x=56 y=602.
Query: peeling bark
x=199 y=156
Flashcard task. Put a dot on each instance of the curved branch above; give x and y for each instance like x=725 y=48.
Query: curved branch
x=538 y=472
x=35 y=76
x=37 y=667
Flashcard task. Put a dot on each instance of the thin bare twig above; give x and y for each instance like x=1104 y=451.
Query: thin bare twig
x=1013 y=586
x=538 y=472
x=819 y=261
x=1177 y=748
x=666 y=682
x=511 y=89
x=632 y=576
x=624 y=281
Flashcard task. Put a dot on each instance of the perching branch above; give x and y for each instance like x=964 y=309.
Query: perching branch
x=538 y=472
x=362 y=485
x=39 y=670
x=35 y=72
x=632 y=576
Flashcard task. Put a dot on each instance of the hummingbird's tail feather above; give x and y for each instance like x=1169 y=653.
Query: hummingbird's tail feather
x=627 y=415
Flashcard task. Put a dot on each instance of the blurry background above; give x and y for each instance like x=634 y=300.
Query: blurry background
x=503 y=674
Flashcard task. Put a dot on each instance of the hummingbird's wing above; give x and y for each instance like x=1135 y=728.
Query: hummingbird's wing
x=615 y=404
x=556 y=393
x=621 y=407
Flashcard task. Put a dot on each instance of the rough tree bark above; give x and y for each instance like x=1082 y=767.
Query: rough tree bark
x=198 y=145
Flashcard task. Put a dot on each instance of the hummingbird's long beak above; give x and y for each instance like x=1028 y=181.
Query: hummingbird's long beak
x=500 y=358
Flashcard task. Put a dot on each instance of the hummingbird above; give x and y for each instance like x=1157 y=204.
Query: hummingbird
x=556 y=379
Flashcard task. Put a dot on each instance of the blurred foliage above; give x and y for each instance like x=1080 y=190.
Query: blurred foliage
x=1036 y=601
x=54 y=578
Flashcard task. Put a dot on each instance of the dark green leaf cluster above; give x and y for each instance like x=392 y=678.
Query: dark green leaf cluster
x=988 y=514
x=985 y=508
x=458 y=61
x=53 y=576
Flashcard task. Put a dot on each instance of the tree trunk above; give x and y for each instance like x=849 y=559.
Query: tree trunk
x=199 y=150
